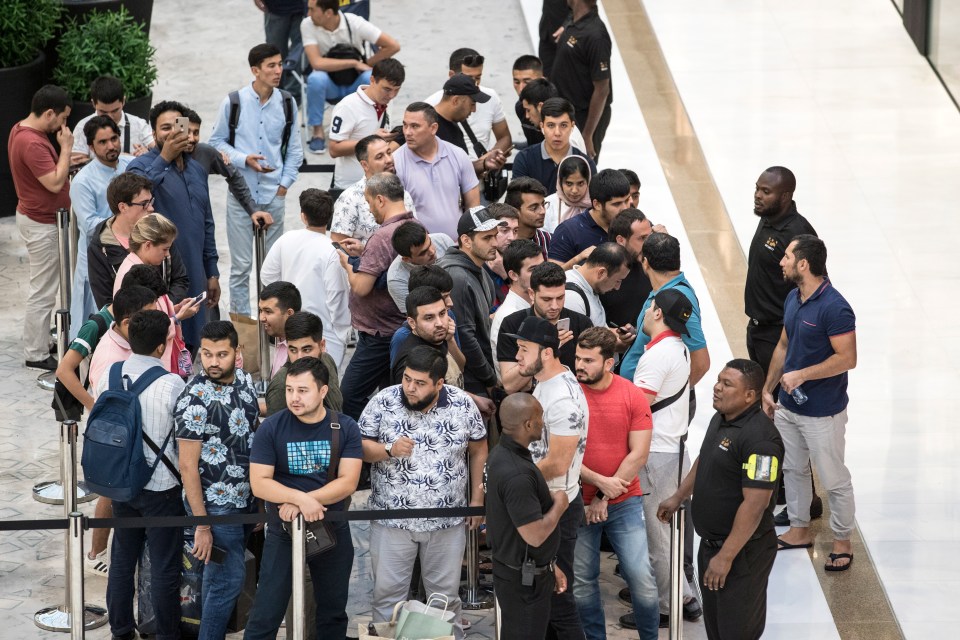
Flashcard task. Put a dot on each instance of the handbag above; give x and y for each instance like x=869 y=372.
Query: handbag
x=378 y=630
x=419 y=621
x=494 y=182
x=344 y=51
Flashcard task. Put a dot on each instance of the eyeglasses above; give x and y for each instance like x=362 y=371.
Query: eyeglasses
x=473 y=60
x=142 y=203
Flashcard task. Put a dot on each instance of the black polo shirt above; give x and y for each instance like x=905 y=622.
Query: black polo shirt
x=583 y=56
x=451 y=132
x=516 y=495
x=765 y=290
x=507 y=346
x=411 y=342
x=624 y=305
x=533 y=134
x=744 y=452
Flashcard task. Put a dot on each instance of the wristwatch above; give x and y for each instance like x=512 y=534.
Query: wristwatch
x=389 y=448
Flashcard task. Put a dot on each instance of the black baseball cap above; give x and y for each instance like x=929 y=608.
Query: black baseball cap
x=676 y=309
x=460 y=84
x=477 y=219
x=538 y=330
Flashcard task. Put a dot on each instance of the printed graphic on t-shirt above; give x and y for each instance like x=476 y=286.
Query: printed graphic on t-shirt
x=304 y=458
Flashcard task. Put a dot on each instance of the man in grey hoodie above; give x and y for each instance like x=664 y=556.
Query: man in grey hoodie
x=473 y=295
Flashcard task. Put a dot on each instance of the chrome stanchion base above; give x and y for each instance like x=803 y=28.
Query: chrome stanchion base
x=482 y=599
x=51 y=492
x=47 y=380
x=58 y=619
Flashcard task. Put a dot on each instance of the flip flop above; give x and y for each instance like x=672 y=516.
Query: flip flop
x=838 y=556
x=783 y=545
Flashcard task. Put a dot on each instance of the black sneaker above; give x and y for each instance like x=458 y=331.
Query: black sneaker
x=816 y=508
x=781 y=519
x=624 y=596
x=692 y=611
x=616 y=570
x=627 y=621
x=47 y=364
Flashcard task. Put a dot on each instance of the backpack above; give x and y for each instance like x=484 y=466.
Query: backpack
x=288 y=109
x=113 y=461
x=65 y=405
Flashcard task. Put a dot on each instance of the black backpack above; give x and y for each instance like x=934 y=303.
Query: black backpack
x=289 y=106
x=65 y=405
x=344 y=51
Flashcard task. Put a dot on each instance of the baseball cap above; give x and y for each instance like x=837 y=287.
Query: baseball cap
x=676 y=309
x=461 y=84
x=477 y=219
x=538 y=330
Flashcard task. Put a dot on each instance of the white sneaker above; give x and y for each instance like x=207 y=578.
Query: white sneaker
x=98 y=566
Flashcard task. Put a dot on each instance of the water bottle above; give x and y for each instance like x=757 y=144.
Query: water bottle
x=798 y=395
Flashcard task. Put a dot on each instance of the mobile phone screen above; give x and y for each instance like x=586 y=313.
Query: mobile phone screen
x=563 y=324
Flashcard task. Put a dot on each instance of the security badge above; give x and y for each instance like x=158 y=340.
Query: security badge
x=762 y=468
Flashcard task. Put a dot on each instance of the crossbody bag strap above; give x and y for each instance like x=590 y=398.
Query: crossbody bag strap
x=666 y=402
x=126 y=133
x=334 y=467
x=161 y=453
x=477 y=147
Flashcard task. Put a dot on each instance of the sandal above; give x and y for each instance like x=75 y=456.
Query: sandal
x=783 y=545
x=838 y=556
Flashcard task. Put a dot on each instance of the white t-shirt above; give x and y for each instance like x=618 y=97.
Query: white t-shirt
x=565 y=413
x=481 y=121
x=574 y=301
x=511 y=304
x=354 y=117
x=140 y=133
x=360 y=30
x=309 y=261
x=664 y=369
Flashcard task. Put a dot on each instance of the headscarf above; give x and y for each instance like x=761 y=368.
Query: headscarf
x=585 y=202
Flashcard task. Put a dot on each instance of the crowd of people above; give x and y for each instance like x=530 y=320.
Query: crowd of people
x=525 y=342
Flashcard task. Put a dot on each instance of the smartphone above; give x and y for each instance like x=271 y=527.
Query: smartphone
x=181 y=124
x=563 y=324
x=217 y=554
x=200 y=298
x=265 y=166
x=336 y=245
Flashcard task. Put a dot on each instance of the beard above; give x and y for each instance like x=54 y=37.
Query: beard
x=534 y=369
x=583 y=378
x=221 y=374
x=417 y=406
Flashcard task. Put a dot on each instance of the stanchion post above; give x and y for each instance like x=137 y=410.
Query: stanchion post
x=260 y=252
x=47 y=379
x=676 y=575
x=474 y=597
x=75 y=575
x=297 y=539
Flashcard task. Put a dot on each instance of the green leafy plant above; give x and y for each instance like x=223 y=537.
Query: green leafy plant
x=25 y=28
x=105 y=43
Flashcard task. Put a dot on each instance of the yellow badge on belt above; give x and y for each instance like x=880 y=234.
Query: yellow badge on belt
x=762 y=468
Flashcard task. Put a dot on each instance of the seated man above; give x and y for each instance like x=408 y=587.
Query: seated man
x=108 y=97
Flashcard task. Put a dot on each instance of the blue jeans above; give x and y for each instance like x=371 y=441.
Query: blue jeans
x=284 y=33
x=166 y=558
x=240 y=242
x=329 y=571
x=320 y=89
x=368 y=369
x=626 y=529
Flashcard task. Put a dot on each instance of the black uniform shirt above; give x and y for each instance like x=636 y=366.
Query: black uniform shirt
x=624 y=305
x=744 y=452
x=516 y=494
x=507 y=346
x=583 y=56
x=451 y=132
x=766 y=289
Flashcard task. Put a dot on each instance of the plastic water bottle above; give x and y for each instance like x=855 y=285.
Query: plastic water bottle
x=798 y=395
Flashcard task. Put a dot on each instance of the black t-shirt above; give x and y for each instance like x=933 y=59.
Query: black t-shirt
x=530 y=132
x=744 y=452
x=507 y=346
x=400 y=361
x=583 y=56
x=451 y=132
x=623 y=305
x=516 y=495
x=765 y=290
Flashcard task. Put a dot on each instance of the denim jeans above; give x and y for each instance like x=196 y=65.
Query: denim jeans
x=626 y=530
x=284 y=33
x=329 y=571
x=240 y=242
x=368 y=369
x=564 y=619
x=320 y=89
x=166 y=558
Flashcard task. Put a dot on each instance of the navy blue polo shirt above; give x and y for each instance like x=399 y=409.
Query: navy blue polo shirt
x=810 y=325
x=575 y=234
x=535 y=162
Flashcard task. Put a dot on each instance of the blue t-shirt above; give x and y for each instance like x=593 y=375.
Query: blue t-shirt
x=300 y=453
x=810 y=325
x=695 y=341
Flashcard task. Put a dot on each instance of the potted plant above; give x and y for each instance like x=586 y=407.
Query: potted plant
x=106 y=43
x=25 y=28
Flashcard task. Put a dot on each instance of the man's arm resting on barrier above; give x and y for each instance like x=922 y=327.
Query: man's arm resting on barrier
x=559 y=456
x=348 y=476
x=189 y=454
x=265 y=487
x=477 y=450
x=536 y=533
x=669 y=506
x=745 y=523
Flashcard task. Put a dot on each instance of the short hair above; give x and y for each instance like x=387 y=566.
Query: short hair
x=107 y=90
x=287 y=295
x=217 y=330
x=528 y=62
x=547 y=274
x=310 y=365
x=622 y=224
x=787 y=179
x=147 y=331
x=262 y=52
x=360 y=151
x=128 y=300
x=430 y=275
x=598 y=338
x=124 y=188
x=520 y=186
x=502 y=211
x=609 y=255
x=390 y=70
x=429 y=113
x=50 y=96
x=162 y=107
x=421 y=296
x=397 y=133
x=428 y=360
x=607 y=185
x=458 y=56
x=518 y=251
x=632 y=178
x=752 y=373
x=812 y=249
x=317 y=207
x=153 y=227
x=556 y=107
x=539 y=90
x=662 y=252
x=94 y=125
x=385 y=184
x=407 y=236
x=145 y=275
x=329 y=5
x=303 y=324
x=193 y=117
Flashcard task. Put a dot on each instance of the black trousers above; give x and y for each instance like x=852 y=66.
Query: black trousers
x=564 y=616
x=600 y=132
x=738 y=611
x=524 y=611
x=761 y=342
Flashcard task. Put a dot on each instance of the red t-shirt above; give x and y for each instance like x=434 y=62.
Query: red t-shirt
x=31 y=156
x=614 y=413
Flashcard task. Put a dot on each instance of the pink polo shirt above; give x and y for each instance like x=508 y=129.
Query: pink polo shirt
x=112 y=348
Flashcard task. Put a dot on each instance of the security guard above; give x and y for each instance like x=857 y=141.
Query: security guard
x=733 y=483
x=522 y=517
